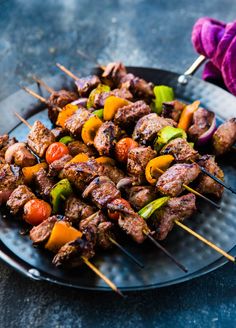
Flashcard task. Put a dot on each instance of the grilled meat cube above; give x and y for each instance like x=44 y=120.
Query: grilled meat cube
x=148 y=126
x=104 y=232
x=80 y=174
x=41 y=233
x=19 y=197
x=102 y=191
x=56 y=166
x=171 y=181
x=77 y=210
x=59 y=99
x=112 y=172
x=76 y=147
x=19 y=154
x=5 y=143
x=177 y=208
x=139 y=196
x=202 y=120
x=99 y=98
x=40 y=138
x=172 y=109
x=225 y=137
x=94 y=220
x=137 y=161
x=10 y=178
x=69 y=255
x=106 y=137
x=76 y=121
x=43 y=183
x=58 y=132
x=206 y=184
x=128 y=115
x=114 y=72
x=137 y=86
x=129 y=221
x=86 y=84
x=181 y=150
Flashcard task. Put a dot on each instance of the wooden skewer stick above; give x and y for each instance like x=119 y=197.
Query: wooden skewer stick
x=204 y=240
x=102 y=276
x=194 y=192
x=23 y=120
x=65 y=70
x=165 y=251
x=41 y=82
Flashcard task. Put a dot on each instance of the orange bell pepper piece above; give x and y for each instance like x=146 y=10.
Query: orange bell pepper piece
x=105 y=160
x=90 y=129
x=65 y=113
x=160 y=162
x=187 y=115
x=29 y=171
x=61 y=234
x=82 y=157
x=111 y=105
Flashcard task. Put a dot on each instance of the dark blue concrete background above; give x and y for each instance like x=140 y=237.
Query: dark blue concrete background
x=33 y=36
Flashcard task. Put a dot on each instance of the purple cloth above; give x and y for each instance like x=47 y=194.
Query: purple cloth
x=217 y=41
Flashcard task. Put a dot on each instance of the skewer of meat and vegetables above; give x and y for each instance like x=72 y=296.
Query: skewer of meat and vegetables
x=123 y=157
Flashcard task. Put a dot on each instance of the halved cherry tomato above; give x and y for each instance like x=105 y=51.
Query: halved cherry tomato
x=123 y=147
x=56 y=151
x=114 y=215
x=36 y=211
x=160 y=162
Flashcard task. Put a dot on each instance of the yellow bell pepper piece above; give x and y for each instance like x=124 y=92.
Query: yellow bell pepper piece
x=187 y=115
x=160 y=162
x=111 y=105
x=82 y=157
x=90 y=129
x=29 y=171
x=65 y=113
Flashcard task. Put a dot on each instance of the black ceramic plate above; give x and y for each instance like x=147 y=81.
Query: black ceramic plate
x=218 y=226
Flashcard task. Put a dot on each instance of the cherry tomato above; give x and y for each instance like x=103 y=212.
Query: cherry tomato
x=114 y=215
x=36 y=211
x=56 y=151
x=123 y=147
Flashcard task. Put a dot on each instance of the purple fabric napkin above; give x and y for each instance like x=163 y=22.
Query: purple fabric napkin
x=217 y=41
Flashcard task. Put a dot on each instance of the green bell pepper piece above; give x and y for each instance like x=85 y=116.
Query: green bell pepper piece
x=99 y=113
x=66 y=139
x=162 y=94
x=59 y=192
x=150 y=208
x=167 y=134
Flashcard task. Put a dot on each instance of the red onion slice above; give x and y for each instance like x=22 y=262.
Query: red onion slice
x=206 y=136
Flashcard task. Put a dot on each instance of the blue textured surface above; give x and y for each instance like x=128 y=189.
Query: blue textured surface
x=33 y=36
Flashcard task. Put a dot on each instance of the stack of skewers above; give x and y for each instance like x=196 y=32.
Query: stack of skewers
x=120 y=158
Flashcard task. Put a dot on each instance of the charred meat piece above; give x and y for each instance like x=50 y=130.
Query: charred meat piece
x=76 y=121
x=76 y=147
x=172 y=109
x=177 y=208
x=19 y=154
x=77 y=210
x=148 y=126
x=69 y=255
x=58 y=132
x=106 y=138
x=114 y=72
x=19 y=197
x=224 y=137
x=43 y=183
x=87 y=84
x=128 y=115
x=112 y=172
x=137 y=86
x=129 y=221
x=137 y=161
x=56 y=166
x=206 y=184
x=171 y=181
x=41 y=233
x=181 y=150
x=100 y=98
x=202 y=120
x=80 y=174
x=102 y=191
x=5 y=143
x=40 y=138
x=93 y=219
x=10 y=179
x=59 y=99
x=139 y=196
